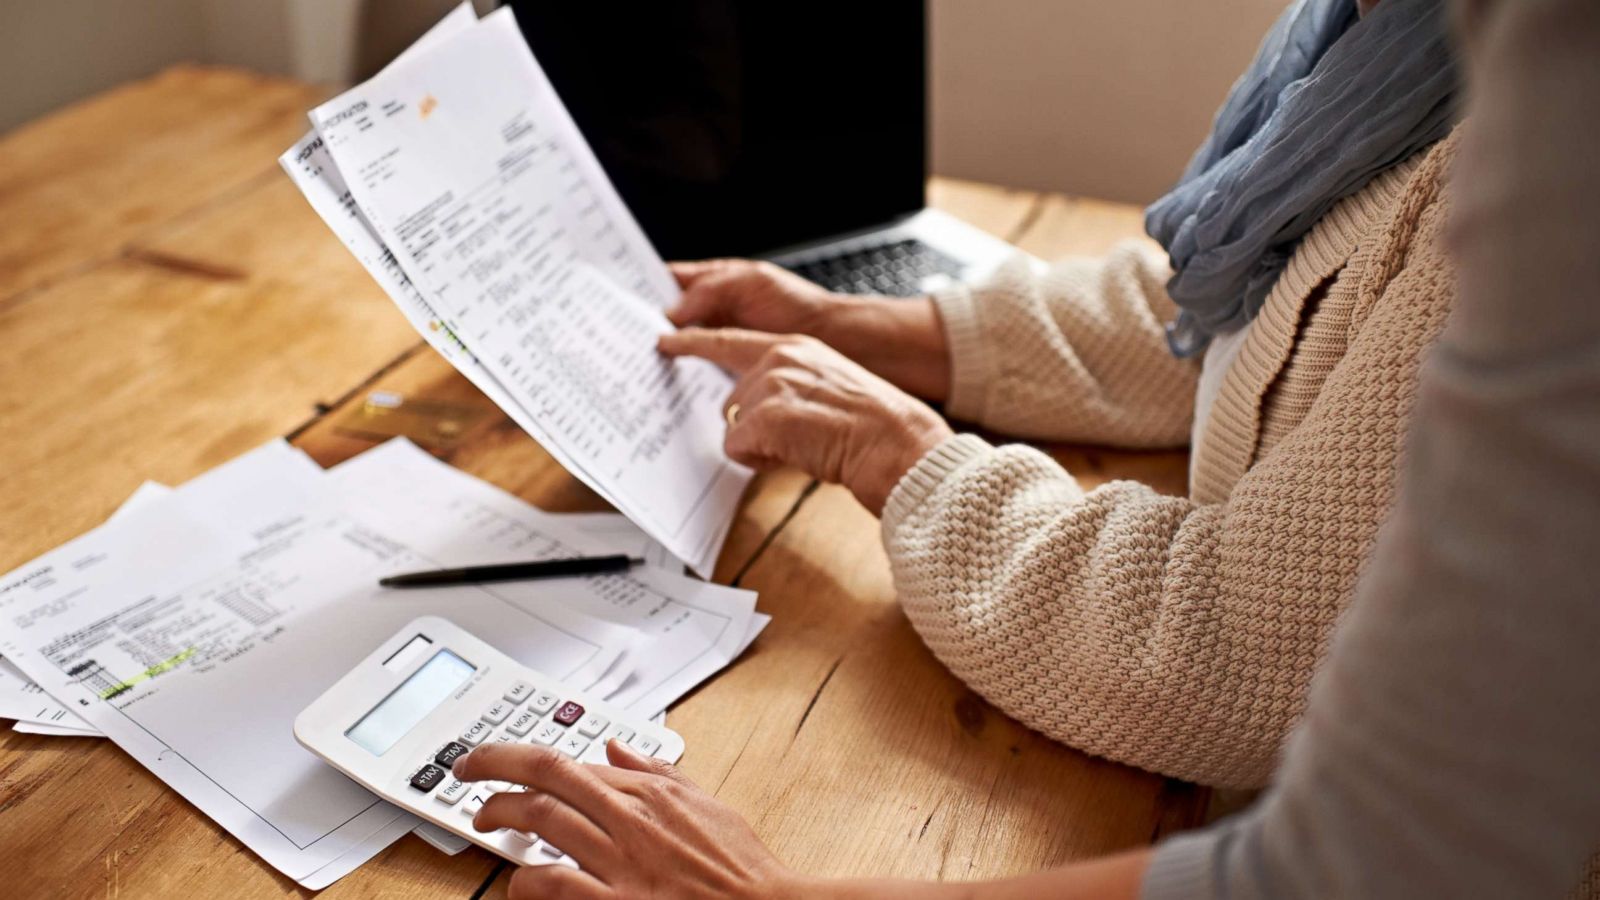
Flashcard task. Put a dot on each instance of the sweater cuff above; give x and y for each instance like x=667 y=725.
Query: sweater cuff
x=970 y=369
x=914 y=487
x=1181 y=867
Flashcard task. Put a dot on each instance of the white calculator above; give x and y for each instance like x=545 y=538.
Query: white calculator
x=431 y=693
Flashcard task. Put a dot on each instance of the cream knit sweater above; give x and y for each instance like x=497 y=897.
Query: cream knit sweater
x=1178 y=635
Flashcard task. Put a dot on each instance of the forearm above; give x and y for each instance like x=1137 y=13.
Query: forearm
x=1108 y=878
x=1114 y=621
x=900 y=340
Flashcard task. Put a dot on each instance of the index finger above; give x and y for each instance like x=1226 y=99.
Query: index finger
x=543 y=769
x=734 y=349
x=686 y=271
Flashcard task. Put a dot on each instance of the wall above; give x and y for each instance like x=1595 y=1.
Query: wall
x=1091 y=97
x=1104 y=99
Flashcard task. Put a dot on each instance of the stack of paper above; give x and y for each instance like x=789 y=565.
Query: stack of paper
x=460 y=182
x=195 y=625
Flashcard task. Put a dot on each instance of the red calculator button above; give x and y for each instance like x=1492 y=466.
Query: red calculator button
x=569 y=713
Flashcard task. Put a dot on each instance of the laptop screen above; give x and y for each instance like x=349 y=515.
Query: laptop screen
x=735 y=127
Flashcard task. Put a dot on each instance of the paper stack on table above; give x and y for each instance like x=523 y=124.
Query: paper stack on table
x=195 y=624
x=460 y=182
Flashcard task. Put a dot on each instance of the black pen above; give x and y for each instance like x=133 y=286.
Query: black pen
x=553 y=568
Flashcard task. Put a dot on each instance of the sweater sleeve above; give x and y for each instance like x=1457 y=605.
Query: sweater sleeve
x=1076 y=353
x=1149 y=629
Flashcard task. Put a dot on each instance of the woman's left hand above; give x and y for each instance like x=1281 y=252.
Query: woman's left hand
x=638 y=828
x=801 y=403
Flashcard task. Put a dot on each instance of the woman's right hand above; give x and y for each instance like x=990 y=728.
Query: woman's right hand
x=900 y=340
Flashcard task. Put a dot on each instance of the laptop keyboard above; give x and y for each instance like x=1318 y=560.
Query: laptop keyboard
x=896 y=268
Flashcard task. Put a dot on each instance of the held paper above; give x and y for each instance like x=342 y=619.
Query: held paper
x=498 y=212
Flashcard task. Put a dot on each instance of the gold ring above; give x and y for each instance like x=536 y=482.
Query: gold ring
x=732 y=414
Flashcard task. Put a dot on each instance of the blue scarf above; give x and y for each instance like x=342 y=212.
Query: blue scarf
x=1331 y=100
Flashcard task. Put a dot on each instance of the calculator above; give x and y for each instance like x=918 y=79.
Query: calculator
x=397 y=722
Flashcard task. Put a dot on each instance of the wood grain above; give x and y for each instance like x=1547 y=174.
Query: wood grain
x=79 y=184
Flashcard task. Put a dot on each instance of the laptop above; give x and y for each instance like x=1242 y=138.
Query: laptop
x=795 y=132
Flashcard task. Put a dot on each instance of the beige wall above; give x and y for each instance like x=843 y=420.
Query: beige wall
x=1105 y=98
x=1098 y=97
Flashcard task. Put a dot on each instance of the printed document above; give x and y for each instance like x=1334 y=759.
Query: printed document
x=499 y=214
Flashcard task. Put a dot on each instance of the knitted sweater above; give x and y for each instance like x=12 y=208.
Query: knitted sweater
x=1175 y=634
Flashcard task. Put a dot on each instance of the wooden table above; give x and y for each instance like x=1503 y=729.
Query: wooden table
x=168 y=301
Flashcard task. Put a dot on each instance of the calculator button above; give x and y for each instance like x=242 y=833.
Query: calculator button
x=619 y=732
x=570 y=712
x=496 y=787
x=497 y=713
x=518 y=692
x=592 y=724
x=548 y=733
x=644 y=743
x=527 y=837
x=551 y=851
x=453 y=792
x=523 y=723
x=449 y=753
x=427 y=778
x=572 y=745
x=473 y=804
x=505 y=739
x=475 y=733
x=543 y=702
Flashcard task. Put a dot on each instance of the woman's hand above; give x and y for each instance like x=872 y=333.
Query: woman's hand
x=901 y=340
x=638 y=828
x=641 y=829
x=801 y=403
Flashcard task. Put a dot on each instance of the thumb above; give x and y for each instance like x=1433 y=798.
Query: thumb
x=734 y=349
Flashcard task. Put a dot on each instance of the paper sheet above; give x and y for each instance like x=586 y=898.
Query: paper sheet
x=248 y=629
x=685 y=630
x=495 y=208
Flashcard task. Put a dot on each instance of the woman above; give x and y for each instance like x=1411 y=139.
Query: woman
x=1451 y=740
x=1174 y=634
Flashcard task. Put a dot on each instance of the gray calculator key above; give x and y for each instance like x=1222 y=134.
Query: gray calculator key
x=449 y=753
x=427 y=778
x=523 y=723
x=543 y=702
x=592 y=724
x=572 y=745
x=644 y=743
x=497 y=713
x=475 y=733
x=453 y=792
x=518 y=692
x=548 y=733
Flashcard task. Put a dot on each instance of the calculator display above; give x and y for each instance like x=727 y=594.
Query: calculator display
x=400 y=712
